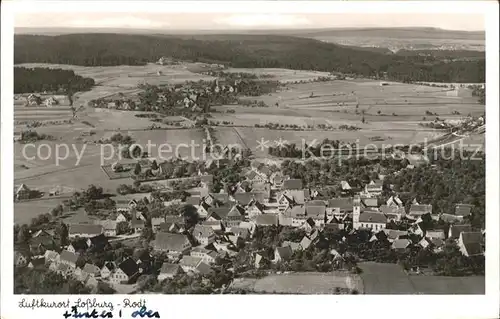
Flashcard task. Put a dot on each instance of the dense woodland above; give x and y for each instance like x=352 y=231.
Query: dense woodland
x=32 y=80
x=246 y=51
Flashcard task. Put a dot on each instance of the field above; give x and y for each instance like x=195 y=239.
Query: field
x=391 y=279
x=299 y=283
x=282 y=75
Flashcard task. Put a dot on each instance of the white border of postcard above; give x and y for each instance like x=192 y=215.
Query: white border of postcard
x=175 y=306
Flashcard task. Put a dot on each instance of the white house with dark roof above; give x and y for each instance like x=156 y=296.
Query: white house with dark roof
x=208 y=256
x=108 y=268
x=338 y=207
x=189 y=263
x=394 y=201
x=372 y=220
x=126 y=272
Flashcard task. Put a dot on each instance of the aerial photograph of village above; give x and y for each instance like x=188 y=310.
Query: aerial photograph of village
x=223 y=158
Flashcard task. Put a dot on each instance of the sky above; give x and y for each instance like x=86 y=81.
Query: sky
x=214 y=21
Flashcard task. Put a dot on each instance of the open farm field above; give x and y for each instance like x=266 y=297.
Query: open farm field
x=25 y=211
x=252 y=137
x=391 y=279
x=281 y=75
x=299 y=283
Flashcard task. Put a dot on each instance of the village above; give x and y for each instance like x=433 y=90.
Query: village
x=196 y=231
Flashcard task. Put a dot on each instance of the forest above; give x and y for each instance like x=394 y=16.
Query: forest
x=244 y=51
x=34 y=80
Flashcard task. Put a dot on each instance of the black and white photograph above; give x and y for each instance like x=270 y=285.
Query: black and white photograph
x=217 y=152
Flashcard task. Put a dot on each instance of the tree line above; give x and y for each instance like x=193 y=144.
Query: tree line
x=33 y=80
x=244 y=51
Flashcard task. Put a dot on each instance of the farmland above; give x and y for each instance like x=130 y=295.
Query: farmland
x=299 y=283
x=391 y=279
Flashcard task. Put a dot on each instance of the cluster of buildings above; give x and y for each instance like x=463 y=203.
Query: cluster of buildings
x=37 y=100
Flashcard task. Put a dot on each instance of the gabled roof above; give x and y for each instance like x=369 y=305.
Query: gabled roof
x=129 y=267
x=221 y=197
x=284 y=252
x=203 y=268
x=455 y=230
x=190 y=261
x=296 y=211
x=471 y=237
x=169 y=269
x=394 y=233
x=69 y=256
x=298 y=196
x=435 y=233
x=91 y=269
x=203 y=231
x=110 y=265
x=51 y=255
x=22 y=188
x=170 y=241
x=369 y=217
x=345 y=185
x=90 y=229
x=292 y=184
x=316 y=202
x=156 y=221
x=305 y=242
x=401 y=243
x=241 y=232
x=246 y=198
x=344 y=204
x=294 y=246
x=266 y=220
x=473 y=249
x=236 y=211
x=193 y=200
x=391 y=210
x=463 y=209
x=369 y=202
x=315 y=211
x=420 y=209
x=219 y=213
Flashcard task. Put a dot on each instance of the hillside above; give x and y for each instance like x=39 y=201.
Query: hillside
x=244 y=51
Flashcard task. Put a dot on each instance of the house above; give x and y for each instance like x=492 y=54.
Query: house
x=256 y=176
x=277 y=179
x=292 y=184
x=64 y=270
x=393 y=234
x=338 y=207
x=317 y=214
x=107 y=269
x=38 y=262
x=435 y=233
x=99 y=242
x=109 y=227
x=470 y=243
x=369 y=202
x=417 y=210
x=394 y=201
x=204 y=234
x=216 y=225
x=91 y=270
x=416 y=160
x=455 y=230
x=137 y=225
x=50 y=101
x=463 y=210
x=203 y=269
x=235 y=216
x=23 y=192
x=42 y=241
x=20 y=259
x=435 y=244
x=259 y=260
x=208 y=256
x=372 y=220
x=51 y=257
x=244 y=233
x=77 y=246
x=254 y=209
x=218 y=213
x=156 y=223
x=282 y=254
x=174 y=245
x=68 y=258
x=189 y=263
x=169 y=271
x=245 y=199
x=121 y=218
x=401 y=244
x=379 y=236
x=394 y=213
x=334 y=223
x=345 y=187
x=267 y=220
x=374 y=188
x=85 y=230
x=126 y=272
x=203 y=209
x=293 y=197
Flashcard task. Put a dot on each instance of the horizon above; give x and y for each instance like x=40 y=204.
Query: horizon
x=250 y=22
